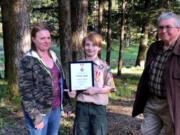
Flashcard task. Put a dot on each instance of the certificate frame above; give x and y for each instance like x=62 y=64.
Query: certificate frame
x=81 y=75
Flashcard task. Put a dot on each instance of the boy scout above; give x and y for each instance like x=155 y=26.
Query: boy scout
x=91 y=104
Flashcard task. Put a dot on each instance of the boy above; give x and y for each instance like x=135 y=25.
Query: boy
x=91 y=104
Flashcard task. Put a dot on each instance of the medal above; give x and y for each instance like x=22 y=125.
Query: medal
x=98 y=74
x=81 y=69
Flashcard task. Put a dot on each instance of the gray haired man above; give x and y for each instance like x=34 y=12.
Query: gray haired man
x=158 y=91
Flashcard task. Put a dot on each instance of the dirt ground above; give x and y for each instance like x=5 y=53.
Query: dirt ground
x=120 y=121
x=119 y=118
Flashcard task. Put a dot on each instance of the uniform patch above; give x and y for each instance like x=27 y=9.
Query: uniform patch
x=109 y=70
x=112 y=83
x=111 y=75
x=101 y=67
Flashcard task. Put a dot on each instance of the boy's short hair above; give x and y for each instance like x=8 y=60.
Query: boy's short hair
x=94 y=37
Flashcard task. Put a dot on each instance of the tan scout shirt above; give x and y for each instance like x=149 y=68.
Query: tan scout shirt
x=103 y=79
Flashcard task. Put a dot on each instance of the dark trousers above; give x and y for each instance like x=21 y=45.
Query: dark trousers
x=90 y=119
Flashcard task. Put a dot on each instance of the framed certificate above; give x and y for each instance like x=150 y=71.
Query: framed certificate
x=81 y=75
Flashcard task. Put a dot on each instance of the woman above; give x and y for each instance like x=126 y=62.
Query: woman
x=41 y=85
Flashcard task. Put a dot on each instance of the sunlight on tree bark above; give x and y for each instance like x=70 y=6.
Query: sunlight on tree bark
x=26 y=42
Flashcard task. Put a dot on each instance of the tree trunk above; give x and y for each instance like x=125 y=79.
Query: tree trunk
x=16 y=35
x=143 y=45
x=100 y=19
x=144 y=38
x=65 y=34
x=108 y=54
x=121 y=37
x=100 y=16
x=79 y=26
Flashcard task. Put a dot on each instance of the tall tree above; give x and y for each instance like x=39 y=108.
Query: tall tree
x=16 y=35
x=108 y=54
x=79 y=26
x=100 y=19
x=148 y=15
x=65 y=34
x=144 y=38
x=143 y=45
x=121 y=37
x=100 y=16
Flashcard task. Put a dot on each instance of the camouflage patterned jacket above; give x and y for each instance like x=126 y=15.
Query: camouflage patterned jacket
x=35 y=86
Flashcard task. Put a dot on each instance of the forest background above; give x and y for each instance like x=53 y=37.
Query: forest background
x=128 y=28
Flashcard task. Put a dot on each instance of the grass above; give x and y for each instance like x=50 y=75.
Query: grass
x=129 y=54
x=126 y=85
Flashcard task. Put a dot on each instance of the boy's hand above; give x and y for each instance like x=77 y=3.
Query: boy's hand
x=72 y=94
x=67 y=114
x=92 y=91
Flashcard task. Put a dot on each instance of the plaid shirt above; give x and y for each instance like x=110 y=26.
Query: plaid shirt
x=156 y=83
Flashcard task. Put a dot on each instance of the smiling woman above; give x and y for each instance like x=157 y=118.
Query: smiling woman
x=41 y=84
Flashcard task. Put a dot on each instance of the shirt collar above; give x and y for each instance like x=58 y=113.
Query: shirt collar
x=171 y=47
x=96 y=60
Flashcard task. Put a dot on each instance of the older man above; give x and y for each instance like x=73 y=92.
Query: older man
x=158 y=93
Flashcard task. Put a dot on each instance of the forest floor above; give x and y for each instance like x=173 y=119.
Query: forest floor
x=120 y=121
x=119 y=118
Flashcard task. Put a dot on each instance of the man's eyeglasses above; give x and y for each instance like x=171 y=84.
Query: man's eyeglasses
x=167 y=27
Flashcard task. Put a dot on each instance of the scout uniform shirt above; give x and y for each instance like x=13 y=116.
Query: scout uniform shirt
x=103 y=79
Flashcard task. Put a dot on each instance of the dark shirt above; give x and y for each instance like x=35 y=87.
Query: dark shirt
x=156 y=83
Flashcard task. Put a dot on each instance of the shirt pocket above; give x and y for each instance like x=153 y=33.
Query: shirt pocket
x=176 y=75
x=176 y=80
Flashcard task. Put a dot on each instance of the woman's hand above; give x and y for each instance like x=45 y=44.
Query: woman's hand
x=40 y=125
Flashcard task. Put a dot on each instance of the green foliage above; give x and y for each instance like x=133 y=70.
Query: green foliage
x=46 y=12
x=3 y=88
